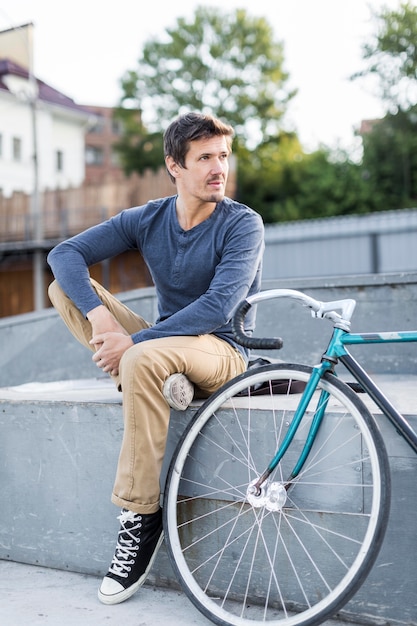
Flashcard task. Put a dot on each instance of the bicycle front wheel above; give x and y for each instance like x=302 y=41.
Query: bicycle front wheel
x=295 y=553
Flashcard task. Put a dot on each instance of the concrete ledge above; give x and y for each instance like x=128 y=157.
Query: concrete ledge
x=58 y=454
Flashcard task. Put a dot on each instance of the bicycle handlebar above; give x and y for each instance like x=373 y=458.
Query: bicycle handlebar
x=318 y=309
x=259 y=343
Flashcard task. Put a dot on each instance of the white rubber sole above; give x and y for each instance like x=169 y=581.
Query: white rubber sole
x=178 y=391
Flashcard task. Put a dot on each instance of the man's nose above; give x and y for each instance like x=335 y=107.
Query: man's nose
x=219 y=166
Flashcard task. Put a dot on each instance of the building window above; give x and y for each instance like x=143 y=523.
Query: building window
x=115 y=158
x=94 y=155
x=17 y=149
x=116 y=127
x=99 y=126
x=59 y=161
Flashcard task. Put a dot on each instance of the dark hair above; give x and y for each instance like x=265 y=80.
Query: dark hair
x=191 y=127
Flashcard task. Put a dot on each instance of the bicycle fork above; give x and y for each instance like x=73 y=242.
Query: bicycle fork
x=273 y=495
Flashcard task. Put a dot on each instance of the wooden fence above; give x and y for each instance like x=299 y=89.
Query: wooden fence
x=65 y=212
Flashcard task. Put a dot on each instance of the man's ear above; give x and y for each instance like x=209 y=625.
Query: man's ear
x=172 y=166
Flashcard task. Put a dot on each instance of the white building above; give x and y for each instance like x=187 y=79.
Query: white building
x=42 y=131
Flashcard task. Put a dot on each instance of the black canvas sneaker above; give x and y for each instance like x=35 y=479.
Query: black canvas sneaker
x=139 y=539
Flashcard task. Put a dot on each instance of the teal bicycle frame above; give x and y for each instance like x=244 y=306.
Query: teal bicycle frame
x=337 y=352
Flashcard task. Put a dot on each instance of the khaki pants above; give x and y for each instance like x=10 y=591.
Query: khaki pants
x=206 y=360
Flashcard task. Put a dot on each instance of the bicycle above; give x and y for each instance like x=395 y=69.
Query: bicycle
x=277 y=497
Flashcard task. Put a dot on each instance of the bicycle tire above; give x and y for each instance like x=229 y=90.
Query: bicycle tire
x=245 y=565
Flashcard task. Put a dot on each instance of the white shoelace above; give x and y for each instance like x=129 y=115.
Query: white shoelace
x=127 y=544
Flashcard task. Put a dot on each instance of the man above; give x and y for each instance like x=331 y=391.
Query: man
x=204 y=253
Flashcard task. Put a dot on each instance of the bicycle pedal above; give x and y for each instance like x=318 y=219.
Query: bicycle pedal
x=357 y=388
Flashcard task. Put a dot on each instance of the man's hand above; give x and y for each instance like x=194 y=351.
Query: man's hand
x=112 y=347
x=102 y=321
x=109 y=338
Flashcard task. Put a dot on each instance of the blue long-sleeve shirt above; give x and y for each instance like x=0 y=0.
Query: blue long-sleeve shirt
x=200 y=274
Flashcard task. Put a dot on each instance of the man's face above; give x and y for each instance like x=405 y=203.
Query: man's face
x=206 y=169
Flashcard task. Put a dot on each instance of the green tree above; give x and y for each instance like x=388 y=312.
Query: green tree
x=390 y=148
x=308 y=186
x=227 y=64
x=263 y=174
x=391 y=56
x=326 y=187
x=390 y=160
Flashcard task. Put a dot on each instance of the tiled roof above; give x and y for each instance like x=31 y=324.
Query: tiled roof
x=46 y=93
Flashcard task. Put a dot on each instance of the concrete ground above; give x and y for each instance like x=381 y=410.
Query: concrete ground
x=39 y=596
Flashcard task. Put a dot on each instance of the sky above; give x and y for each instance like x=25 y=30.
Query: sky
x=83 y=48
